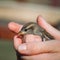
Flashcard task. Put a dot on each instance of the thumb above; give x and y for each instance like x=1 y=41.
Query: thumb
x=50 y=29
x=39 y=47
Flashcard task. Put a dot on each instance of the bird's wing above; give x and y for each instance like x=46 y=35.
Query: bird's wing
x=47 y=35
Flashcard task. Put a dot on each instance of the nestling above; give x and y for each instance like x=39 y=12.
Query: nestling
x=34 y=28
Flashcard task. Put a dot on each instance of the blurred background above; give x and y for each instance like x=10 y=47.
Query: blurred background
x=23 y=11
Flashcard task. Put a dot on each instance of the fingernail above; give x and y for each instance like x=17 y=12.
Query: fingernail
x=20 y=28
x=41 y=18
x=22 y=47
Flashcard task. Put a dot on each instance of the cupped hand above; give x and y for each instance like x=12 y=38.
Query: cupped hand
x=49 y=50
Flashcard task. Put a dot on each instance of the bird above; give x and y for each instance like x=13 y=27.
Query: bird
x=35 y=29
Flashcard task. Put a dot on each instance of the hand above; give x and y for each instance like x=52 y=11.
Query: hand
x=49 y=50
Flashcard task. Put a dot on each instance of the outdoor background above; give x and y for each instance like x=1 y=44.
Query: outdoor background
x=23 y=11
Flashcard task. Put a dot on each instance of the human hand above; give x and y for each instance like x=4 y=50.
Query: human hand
x=50 y=49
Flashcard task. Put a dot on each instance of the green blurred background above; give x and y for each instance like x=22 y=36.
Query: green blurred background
x=7 y=51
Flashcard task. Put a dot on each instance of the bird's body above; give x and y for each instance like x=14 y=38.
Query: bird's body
x=34 y=28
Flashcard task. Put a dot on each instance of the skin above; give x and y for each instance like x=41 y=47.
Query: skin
x=47 y=50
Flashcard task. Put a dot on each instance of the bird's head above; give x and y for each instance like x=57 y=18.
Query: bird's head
x=27 y=28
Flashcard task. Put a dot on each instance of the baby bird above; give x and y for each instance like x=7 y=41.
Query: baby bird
x=34 y=28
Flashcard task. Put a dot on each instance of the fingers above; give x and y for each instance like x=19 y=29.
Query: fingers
x=17 y=42
x=45 y=56
x=39 y=47
x=27 y=38
x=14 y=27
x=54 y=32
x=32 y=38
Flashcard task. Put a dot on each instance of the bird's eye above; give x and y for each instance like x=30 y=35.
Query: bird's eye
x=25 y=29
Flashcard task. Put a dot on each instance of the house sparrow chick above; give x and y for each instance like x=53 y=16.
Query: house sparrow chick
x=34 y=28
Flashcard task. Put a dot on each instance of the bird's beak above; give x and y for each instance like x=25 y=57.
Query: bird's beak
x=21 y=33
